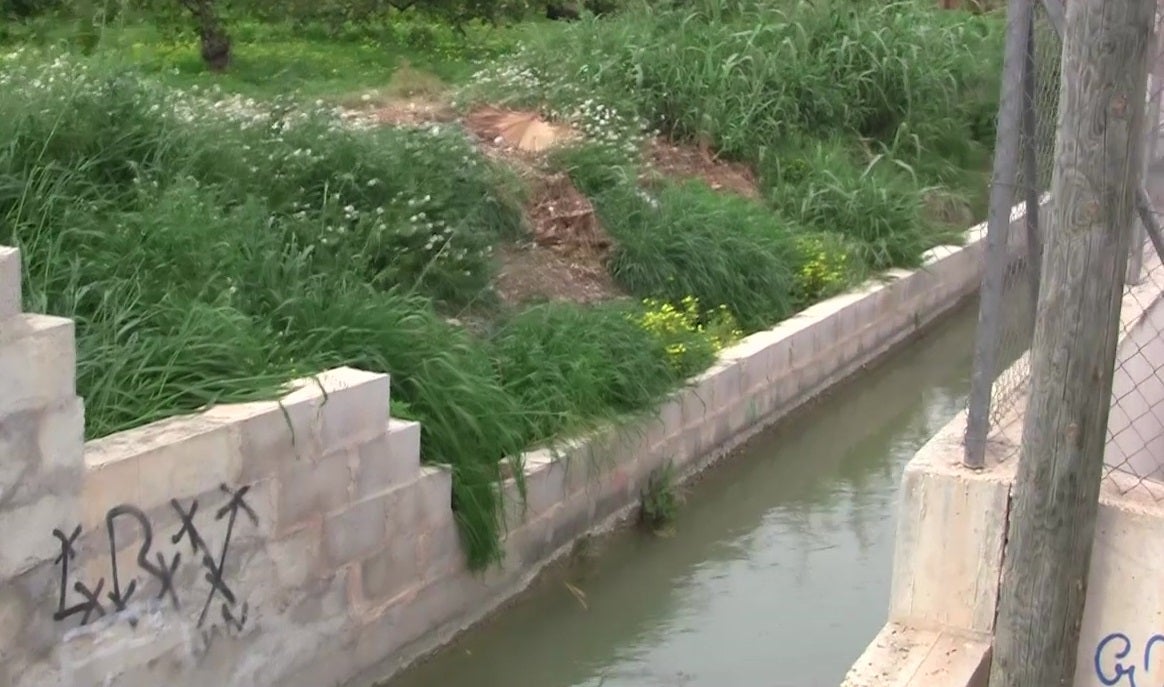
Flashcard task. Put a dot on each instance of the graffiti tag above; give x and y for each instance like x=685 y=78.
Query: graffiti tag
x=87 y=601
x=1115 y=663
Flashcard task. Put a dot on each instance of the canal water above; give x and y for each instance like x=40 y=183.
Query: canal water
x=777 y=572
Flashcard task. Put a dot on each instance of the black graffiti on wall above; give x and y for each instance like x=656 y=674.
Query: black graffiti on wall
x=90 y=604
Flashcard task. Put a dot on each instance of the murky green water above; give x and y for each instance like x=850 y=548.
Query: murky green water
x=777 y=574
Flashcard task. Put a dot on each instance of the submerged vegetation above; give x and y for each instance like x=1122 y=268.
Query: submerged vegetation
x=211 y=247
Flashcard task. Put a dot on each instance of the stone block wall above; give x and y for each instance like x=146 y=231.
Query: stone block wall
x=300 y=542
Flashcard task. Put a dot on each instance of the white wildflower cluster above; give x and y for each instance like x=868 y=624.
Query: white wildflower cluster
x=344 y=186
x=25 y=74
x=570 y=98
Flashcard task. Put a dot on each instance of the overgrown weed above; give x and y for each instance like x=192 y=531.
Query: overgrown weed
x=660 y=499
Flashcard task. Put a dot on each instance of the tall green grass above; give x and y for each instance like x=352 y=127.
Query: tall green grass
x=873 y=121
x=746 y=75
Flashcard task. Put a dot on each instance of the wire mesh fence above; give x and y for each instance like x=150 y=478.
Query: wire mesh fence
x=1134 y=457
x=1012 y=312
x=1006 y=321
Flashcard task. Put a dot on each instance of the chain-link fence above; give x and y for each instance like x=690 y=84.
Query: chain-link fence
x=1001 y=374
x=1010 y=285
x=1134 y=458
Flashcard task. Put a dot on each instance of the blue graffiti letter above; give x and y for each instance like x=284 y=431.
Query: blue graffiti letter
x=1120 y=670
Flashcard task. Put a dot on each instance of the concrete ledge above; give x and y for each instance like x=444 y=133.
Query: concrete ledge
x=38 y=362
x=905 y=657
x=184 y=456
x=948 y=547
x=10 y=295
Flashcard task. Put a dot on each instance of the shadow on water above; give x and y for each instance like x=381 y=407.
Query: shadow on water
x=777 y=574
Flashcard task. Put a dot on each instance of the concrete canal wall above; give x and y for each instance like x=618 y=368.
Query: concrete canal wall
x=301 y=542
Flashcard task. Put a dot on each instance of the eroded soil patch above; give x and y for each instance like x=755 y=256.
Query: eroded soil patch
x=669 y=160
x=531 y=273
x=567 y=257
x=417 y=111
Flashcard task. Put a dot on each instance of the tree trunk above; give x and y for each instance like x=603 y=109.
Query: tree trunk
x=1098 y=151
x=215 y=41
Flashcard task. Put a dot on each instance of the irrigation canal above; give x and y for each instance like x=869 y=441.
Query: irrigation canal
x=777 y=574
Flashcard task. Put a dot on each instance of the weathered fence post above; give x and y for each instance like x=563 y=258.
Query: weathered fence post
x=1098 y=153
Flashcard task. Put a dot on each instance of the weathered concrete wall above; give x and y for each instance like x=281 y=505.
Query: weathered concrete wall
x=952 y=526
x=300 y=542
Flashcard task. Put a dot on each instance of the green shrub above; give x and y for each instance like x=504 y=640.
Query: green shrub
x=24 y=9
x=826 y=267
x=879 y=207
x=690 y=335
x=660 y=499
x=568 y=365
x=691 y=241
x=596 y=168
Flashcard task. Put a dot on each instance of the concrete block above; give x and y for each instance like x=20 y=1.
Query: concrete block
x=901 y=656
x=356 y=407
x=1121 y=616
x=441 y=552
x=434 y=489
x=572 y=518
x=440 y=602
x=274 y=434
x=36 y=594
x=711 y=391
x=513 y=504
x=693 y=443
x=355 y=532
x=310 y=488
x=297 y=557
x=10 y=298
x=176 y=458
x=258 y=497
x=759 y=357
x=801 y=344
x=19 y=453
x=545 y=484
x=391 y=570
x=665 y=422
x=61 y=435
x=529 y=545
x=826 y=333
x=728 y=383
x=110 y=652
x=16 y=611
x=950 y=536
x=390 y=459
x=585 y=459
x=617 y=491
x=107 y=484
x=38 y=362
x=27 y=529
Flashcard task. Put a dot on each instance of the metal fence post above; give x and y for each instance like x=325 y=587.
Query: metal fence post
x=1002 y=192
x=1031 y=165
